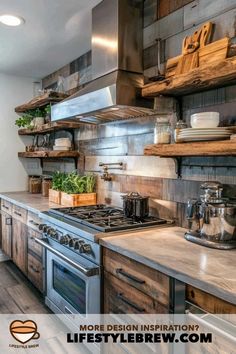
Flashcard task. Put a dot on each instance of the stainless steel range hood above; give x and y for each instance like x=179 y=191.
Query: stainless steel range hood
x=117 y=68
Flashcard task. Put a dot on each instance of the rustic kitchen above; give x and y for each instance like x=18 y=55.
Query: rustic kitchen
x=118 y=160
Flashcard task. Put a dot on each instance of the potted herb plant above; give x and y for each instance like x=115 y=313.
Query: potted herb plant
x=78 y=190
x=55 y=191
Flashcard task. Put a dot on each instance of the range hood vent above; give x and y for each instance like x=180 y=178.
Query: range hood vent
x=117 y=68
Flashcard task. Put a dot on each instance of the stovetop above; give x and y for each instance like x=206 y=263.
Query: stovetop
x=104 y=218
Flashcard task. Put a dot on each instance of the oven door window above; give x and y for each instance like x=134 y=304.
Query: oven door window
x=70 y=286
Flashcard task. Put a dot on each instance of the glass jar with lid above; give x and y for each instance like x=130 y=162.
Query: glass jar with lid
x=162 y=131
x=179 y=125
x=35 y=184
x=46 y=185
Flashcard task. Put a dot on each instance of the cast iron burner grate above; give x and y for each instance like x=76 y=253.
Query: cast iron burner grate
x=104 y=218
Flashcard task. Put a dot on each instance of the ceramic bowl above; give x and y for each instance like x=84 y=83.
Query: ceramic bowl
x=205 y=120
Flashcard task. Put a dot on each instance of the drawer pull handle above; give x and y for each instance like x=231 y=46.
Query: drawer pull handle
x=16 y=212
x=6 y=207
x=131 y=277
x=34 y=270
x=128 y=302
x=33 y=223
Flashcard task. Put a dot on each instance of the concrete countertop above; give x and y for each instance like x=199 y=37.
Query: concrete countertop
x=166 y=250
x=32 y=202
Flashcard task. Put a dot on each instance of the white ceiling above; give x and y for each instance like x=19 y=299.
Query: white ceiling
x=55 y=33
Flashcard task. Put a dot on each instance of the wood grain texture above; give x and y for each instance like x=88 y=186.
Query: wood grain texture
x=145 y=279
x=19 y=244
x=209 y=148
x=50 y=154
x=6 y=233
x=41 y=101
x=19 y=213
x=49 y=127
x=215 y=75
x=121 y=298
x=35 y=271
x=34 y=247
x=30 y=300
x=209 y=302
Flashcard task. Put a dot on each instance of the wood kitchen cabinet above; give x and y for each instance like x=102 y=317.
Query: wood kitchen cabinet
x=35 y=260
x=131 y=287
x=6 y=222
x=19 y=244
x=208 y=302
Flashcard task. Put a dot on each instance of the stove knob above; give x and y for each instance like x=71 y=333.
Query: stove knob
x=42 y=227
x=53 y=233
x=77 y=244
x=72 y=242
x=85 y=248
x=67 y=238
x=63 y=240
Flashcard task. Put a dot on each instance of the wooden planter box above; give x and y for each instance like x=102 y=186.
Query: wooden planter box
x=73 y=200
x=54 y=196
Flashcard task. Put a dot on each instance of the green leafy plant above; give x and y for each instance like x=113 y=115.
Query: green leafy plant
x=90 y=183
x=38 y=112
x=72 y=183
x=48 y=109
x=24 y=121
x=57 y=180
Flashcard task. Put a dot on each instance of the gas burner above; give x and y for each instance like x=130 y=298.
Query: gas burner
x=104 y=218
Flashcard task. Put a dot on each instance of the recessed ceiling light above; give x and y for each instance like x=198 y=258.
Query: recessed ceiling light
x=11 y=20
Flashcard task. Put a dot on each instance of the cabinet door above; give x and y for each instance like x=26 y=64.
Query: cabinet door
x=35 y=271
x=7 y=234
x=19 y=244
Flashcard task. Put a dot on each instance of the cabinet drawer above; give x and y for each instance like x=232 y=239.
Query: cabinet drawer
x=6 y=206
x=121 y=298
x=19 y=213
x=208 y=302
x=35 y=272
x=148 y=280
x=33 y=221
x=32 y=245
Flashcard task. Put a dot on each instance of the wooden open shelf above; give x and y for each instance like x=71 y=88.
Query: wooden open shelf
x=50 y=127
x=208 y=148
x=52 y=154
x=217 y=74
x=41 y=101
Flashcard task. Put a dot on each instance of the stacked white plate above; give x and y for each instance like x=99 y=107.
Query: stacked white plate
x=62 y=144
x=203 y=134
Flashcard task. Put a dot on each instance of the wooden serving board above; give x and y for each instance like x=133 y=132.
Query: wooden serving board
x=196 y=52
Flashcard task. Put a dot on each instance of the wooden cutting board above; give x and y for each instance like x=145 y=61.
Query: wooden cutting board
x=196 y=52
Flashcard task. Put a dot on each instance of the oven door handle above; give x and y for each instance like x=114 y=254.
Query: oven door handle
x=89 y=272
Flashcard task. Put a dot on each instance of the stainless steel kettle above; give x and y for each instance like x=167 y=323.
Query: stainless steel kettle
x=211 y=216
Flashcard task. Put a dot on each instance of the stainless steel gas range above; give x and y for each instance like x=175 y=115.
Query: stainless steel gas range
x=73 y=255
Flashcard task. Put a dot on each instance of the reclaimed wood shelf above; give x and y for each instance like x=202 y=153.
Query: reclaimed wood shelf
x=180 y=150
x=214 y=75
x=49 y=154
x=41 y=101
x=206 y=148
x=50 y=127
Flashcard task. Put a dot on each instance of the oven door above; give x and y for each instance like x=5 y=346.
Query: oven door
x=73 y=284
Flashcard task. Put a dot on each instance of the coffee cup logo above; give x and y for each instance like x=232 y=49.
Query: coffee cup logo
x=23 y=332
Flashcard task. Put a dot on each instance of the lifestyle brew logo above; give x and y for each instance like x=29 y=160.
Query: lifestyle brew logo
x=24 y=331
